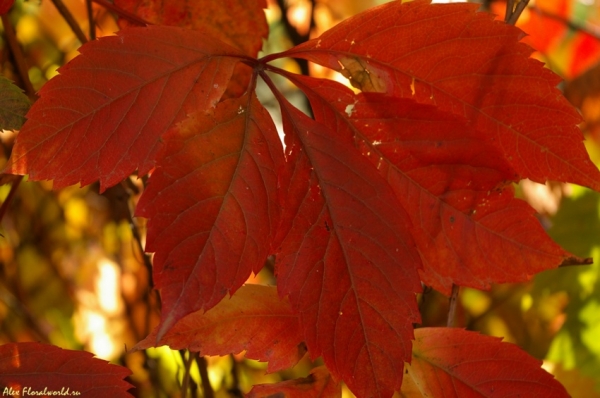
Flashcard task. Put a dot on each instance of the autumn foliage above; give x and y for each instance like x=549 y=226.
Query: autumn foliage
x=405 y=181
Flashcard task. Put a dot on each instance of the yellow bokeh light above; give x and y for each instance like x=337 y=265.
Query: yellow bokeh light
x=76 y=212
x=27 y=29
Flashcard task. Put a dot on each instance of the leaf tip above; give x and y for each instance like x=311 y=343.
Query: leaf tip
x=574 y=260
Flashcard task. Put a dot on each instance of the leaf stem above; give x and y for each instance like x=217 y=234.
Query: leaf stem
x=68 y=17
x=90 y=13
x=17 y=53
x=453 y=303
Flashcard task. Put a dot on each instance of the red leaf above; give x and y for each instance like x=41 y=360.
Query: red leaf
x=318 y=383
x=239 y=23
x=102 y=118
x=469 y=228
x=473 y=68
x=254 y=320
x=458 y=363
x=212 y=205
x=27 y=368
x=5 y=6
x=348 y=262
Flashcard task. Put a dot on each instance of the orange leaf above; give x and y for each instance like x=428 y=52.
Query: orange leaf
x=254 y=320
x=318 y=383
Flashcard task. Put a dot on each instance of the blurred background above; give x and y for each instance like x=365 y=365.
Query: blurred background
x=73 y=274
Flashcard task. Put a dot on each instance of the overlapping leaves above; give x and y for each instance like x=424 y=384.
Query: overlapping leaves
x=411 y=176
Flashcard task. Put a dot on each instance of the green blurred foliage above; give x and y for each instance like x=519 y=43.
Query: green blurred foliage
x=577 y=228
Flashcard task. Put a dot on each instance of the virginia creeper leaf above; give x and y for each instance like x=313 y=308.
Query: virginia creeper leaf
x=347 y=262
x=254 y=319
x=459 y=363
x=28 y=368
x=102 y=117
x=239 y=23
x=318 y=383
x=474 y=68
x=469 y=228
x=212 y=205
x=13 y=105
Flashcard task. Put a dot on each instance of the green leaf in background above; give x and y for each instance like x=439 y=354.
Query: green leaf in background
x=14 y=104
x=576 y=227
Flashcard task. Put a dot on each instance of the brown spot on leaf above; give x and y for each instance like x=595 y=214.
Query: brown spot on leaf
x=363 y=76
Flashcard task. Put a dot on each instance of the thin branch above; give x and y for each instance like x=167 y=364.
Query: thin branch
x=293 y=33
x=510 y=6
x=235 y=390
x=187 y=364
x=516 y=12
x=66 y=14
x=453 y=303
x=91 y=21
x=11 y=194
x=122 y=13
x=207 y=389
x=13 y=303
x=17 y=53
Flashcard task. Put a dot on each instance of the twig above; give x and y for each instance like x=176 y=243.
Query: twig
x=17 y=53
x=453 y=303
x=235 y=390
x=122 y=13
x=293 y=33
x=66 y=14
x=14 y=304
x=10 y=195
x=130 y=189
x=207 y=389
x=514 y=11
x=187 y=364
x=90 y=13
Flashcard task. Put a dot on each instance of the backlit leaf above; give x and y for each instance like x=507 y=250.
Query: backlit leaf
x=254 y=320
x=27 y=368
x=318 y=383
x=212 y=205
x=453 y=184
x=239 y=23
x=102 y=118
x=347 y=262
x=459 y=363
x=473 y=68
